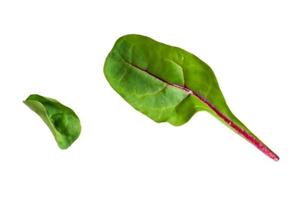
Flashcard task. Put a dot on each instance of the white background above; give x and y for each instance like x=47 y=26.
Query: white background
x=57 y=49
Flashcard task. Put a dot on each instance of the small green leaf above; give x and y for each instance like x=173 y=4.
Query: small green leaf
x=62 y=121
x=169 y=84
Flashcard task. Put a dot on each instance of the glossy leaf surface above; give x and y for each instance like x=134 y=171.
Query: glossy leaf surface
x=62 y=121
x=169 y=84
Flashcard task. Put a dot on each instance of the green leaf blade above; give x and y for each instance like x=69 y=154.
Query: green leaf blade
x=61 y=120
x=169 y=84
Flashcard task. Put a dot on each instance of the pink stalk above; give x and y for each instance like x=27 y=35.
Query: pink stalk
x=248 y=136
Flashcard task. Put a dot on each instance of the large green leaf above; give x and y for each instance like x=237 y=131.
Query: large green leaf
x=169 y=84
x=62 y=121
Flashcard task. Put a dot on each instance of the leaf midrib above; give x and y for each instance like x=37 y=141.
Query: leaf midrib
x=248 y=136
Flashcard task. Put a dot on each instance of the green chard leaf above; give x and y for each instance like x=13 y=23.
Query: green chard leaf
x=61 y=120
x=169 y=84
